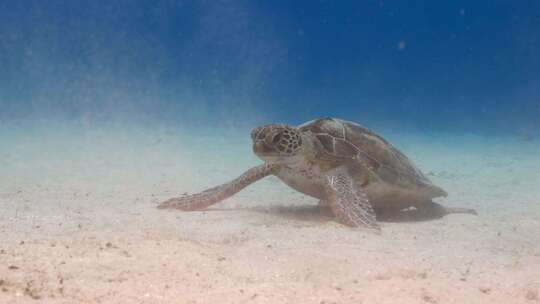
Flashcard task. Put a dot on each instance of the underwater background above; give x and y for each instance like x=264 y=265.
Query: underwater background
x=108 y=108
x=457 y=66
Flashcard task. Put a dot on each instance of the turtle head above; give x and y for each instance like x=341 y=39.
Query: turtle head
x=277 y=143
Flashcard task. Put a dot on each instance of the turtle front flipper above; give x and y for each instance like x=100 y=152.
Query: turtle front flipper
x=349 y=202
x=216 y=194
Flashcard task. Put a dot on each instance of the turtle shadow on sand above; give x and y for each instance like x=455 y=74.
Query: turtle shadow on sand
x=318 y=214
x=434 y=211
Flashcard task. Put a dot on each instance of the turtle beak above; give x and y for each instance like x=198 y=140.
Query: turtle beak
x=259 y=147
x=264 y=152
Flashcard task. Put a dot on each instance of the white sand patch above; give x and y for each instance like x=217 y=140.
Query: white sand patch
x=78 y=224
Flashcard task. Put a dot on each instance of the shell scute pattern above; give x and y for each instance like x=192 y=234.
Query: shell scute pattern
x=343 y=139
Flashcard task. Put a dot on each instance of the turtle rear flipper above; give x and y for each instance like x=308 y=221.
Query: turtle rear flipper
x=216 y=194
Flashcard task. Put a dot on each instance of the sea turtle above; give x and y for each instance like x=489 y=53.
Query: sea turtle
x=349 y=168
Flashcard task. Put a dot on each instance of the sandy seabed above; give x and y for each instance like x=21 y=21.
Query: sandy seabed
x=78 y=224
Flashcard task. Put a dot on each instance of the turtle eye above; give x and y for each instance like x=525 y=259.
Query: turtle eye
x=276 y=138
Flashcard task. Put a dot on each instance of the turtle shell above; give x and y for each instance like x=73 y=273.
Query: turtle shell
x=345 y=141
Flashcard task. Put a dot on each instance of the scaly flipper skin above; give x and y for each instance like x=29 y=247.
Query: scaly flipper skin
x=349 y=202
x=216 y=194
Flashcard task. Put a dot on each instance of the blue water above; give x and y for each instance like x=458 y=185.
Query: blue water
x=454 y=66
